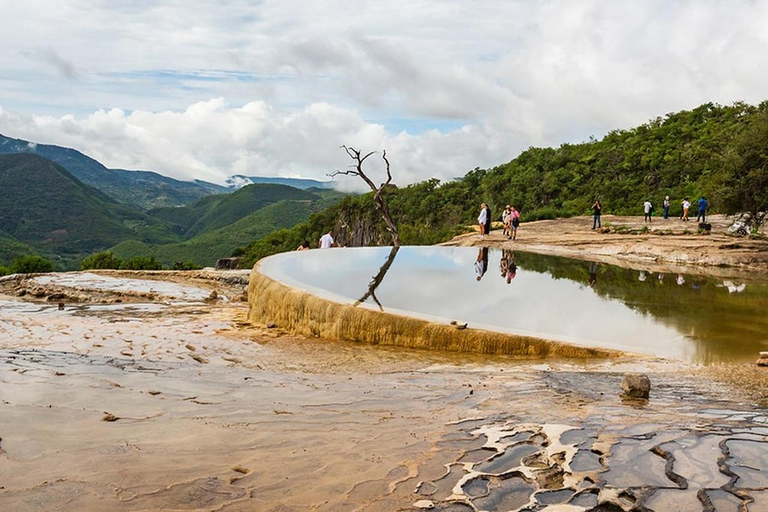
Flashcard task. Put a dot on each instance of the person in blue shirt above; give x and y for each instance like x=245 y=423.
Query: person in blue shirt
x=702 y=210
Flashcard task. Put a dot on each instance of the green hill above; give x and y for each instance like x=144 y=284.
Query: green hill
x=206 y=248
x=45 y=207
x=715 y=150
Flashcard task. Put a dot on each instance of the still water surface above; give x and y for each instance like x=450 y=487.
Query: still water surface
x=693 y=318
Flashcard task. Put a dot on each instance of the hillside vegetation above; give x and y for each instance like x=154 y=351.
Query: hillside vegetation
x=43 y=206
x=715 y=150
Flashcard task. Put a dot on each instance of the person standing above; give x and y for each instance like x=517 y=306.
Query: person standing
x=648 y=208
x=488 y=220
x=702 y=209
x=597 y=210
x=514 y=222
x=483 y=219
x=506 y=219
x=666 y=204
x=326 y=241
x=686 y=207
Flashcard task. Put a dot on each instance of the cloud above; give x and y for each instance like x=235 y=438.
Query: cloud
x=211 y=141
x=49 y=56
x=275 y=86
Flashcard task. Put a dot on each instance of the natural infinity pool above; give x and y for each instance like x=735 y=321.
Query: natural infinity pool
x=694 y=318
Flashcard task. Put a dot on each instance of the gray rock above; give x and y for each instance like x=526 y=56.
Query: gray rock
x=636 y=385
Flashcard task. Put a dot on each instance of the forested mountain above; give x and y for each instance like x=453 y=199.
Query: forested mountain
x=144 y=189
x=720 y=151
x=43 y=206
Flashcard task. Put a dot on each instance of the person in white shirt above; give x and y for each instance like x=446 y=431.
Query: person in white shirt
x=326 y=241
x=482 y=219
x=647 y=207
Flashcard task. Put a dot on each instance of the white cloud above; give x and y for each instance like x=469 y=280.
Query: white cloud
x=291 y=81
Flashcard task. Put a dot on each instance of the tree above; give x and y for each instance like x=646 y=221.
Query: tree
x=378 y=192
x=30 y=265
x=741 y=185
x=101 y=260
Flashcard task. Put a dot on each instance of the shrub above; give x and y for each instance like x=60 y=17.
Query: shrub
x=30 y=265
x=141 y=263
x=103 y=260
x=187 y=265
x=4 y=271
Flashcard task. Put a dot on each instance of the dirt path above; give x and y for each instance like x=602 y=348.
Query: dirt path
x=623 y=241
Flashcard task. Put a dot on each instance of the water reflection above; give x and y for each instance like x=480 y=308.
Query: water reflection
x=689 y=317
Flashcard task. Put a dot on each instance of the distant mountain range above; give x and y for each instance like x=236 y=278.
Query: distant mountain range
x=239 y=180
x=145 y=189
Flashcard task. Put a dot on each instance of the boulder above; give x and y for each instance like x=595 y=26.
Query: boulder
x=636 y=385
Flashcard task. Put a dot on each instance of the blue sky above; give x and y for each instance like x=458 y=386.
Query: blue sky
x=211 y=89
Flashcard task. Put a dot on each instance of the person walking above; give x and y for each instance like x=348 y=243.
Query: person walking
x=686 y=206
x=666 y=204
x=597 y=210
x=483 y=219
x=702 y=210
x=648 y=208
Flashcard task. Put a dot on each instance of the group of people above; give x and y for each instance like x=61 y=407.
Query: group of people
x=510 y=217
x=703 y=205
x=685 y=207
x=507 y=264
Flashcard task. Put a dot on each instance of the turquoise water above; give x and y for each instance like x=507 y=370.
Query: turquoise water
x=692 y=318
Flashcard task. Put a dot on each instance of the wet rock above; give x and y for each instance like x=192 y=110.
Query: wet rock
x=271 y=325
x=213 y=296
x=763 y=359
x=636 y=385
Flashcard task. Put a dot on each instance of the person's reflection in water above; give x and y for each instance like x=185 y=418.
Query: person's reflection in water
x=507 y=265
x=643 y=276
x=481 y=264
x=680 y=280
x=592 y=273
x=661 y=277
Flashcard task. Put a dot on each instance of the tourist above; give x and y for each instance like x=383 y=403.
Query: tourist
x=483 y=219
x=686 y=207
x=326 y=241
x=506 y=219
x=597 y=210
x=488 y=220
x=702 y=210
x=481 y=263
x=648 y=208
x=514 y=222
x=304 y=246
x=666 y=204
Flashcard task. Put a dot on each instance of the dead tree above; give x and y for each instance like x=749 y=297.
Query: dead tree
x=377 y=279
x=378 y=196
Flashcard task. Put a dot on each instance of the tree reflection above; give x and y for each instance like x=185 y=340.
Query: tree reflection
x=378 y=278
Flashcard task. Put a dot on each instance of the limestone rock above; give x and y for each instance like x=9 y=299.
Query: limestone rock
x=424 y=504
x=763 y=361
x=636 y=385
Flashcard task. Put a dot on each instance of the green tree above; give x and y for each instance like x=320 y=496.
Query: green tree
x=741 y=185
x=4 y=271
x=141 y=263
x=30 y=265
x=101 y=260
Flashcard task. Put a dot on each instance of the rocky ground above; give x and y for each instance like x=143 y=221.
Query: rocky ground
x=629 y=241
x=150 y=391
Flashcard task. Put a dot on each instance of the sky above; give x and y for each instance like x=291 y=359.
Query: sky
x=206 y=90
